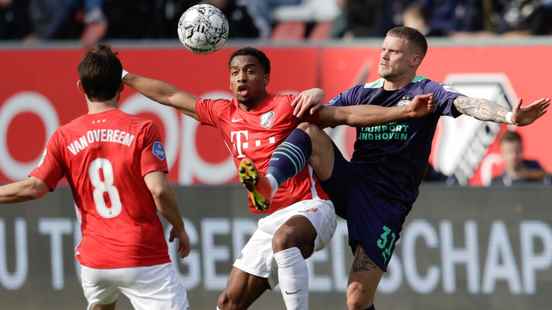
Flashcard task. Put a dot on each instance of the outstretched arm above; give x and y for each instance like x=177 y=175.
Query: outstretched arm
x=163 y=93
x=366 y=115
x=486 y=110
x=28 y=189
x=481 y=109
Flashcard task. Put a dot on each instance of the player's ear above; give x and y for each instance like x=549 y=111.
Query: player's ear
x=119 y=92
x=266 y=79
x=79 y=86
x=417 y=59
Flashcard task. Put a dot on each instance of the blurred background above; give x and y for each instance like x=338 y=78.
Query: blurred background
x=480 y=235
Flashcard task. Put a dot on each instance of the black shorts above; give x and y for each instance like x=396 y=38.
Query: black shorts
x=374 y=222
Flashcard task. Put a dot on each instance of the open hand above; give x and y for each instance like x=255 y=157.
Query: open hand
x=308 y=100
x=183 y=242
x=420 y=106
x=523 y=116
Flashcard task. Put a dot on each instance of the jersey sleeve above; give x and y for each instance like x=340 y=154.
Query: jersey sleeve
x=208 y=111
x=50 y=167
x=152 y=155
x=444 y=99
x=346 y=98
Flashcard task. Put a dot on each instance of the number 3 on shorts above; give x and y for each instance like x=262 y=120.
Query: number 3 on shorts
x=105 y=186
x=385 y=246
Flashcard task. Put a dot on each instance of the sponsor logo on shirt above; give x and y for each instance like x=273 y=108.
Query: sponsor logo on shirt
x=267 y=119
x=404 y=101
x=158 y=150
x=394 y=131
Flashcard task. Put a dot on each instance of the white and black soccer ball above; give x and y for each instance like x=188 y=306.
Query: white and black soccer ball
x=203 y=28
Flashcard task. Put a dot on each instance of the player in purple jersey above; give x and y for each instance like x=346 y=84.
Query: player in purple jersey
x=376 y=189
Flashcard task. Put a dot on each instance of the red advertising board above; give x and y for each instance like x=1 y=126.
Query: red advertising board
x=38 y=93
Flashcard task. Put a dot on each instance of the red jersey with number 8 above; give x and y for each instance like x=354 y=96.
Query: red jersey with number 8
x=104 y=157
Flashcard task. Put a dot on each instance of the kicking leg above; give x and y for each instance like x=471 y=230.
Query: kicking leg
x=363 y=282
x=241 y=291
x=306 y=143
x=322 y=156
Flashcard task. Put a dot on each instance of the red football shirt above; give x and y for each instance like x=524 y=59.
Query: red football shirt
x=256 y=134
x=105 y=157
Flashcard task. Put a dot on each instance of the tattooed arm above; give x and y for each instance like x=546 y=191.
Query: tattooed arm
x=486 y=110
x=481 y=109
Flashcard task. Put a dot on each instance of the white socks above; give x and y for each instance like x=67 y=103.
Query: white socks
x=293 y=276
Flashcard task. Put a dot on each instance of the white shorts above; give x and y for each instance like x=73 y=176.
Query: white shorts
x=152 y=287
x=256 y=257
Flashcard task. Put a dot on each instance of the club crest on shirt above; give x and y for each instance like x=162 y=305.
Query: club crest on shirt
x=404 y=101
x=158 y=150
x=267 y=119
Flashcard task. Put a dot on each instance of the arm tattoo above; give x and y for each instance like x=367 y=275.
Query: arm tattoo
x=481 y=109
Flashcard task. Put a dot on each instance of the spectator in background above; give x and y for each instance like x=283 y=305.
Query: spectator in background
x=261 y=11
x=241 y=24
x=517 y=18
x=14 y=19
x=518 y=170
x=361 y=18
x=417 y=17
x=68 y=19
x=443 y=18
x=521 y=17
x=126 y=19
x=144 y=19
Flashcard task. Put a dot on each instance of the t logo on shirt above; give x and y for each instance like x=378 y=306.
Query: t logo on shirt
x=238 y=138
x=158 y=150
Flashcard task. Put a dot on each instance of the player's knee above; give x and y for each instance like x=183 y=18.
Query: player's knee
x=356 y=304
x=309 y=128
x=284 y=238
x=104 y=307
x=222 y=300
x=358 y=298
x=304 y=126
x=227 y=301
x=320 y=141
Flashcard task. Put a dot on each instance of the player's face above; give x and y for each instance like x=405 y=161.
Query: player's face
x=247 y=79
x=396 y=59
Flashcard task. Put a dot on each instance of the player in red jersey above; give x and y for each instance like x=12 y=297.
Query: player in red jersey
x=115 y=165
x=300 y=219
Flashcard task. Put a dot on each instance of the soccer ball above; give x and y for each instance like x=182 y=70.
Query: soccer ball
x=203 y=28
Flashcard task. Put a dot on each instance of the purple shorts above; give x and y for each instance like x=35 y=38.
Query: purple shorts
x=373 y=220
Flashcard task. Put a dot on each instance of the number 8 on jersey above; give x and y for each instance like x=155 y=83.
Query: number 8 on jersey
x=105 y=186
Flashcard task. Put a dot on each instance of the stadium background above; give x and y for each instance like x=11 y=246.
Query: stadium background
x=463 y=247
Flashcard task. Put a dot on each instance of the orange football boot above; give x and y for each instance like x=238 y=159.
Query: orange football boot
x=257 y=185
